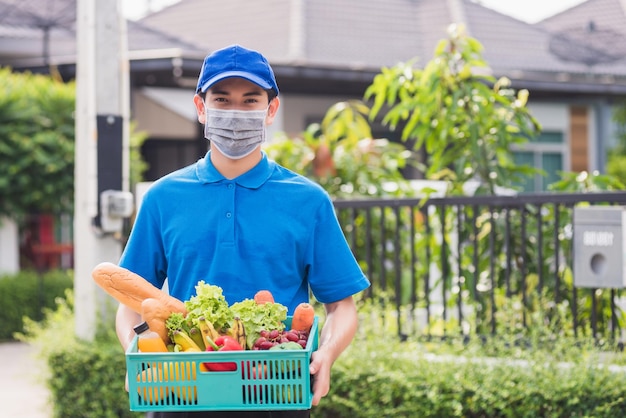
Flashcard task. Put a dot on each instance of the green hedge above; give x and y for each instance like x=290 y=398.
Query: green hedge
x=377 y=376
x=85 y=378
x=399 y=380
x=88 y=381
x=375 y=381
x=27 y=294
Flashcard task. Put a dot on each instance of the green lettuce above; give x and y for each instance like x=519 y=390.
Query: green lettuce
x=210 y=303
x=176 y=322
x=256 y=318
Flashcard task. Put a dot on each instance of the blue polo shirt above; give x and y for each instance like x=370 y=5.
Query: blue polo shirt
x=269 y=228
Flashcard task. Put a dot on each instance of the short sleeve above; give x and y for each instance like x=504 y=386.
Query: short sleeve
x=334 y=273
x=144 y=253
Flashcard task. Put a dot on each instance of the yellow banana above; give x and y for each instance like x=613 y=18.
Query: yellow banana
x=181 y=338
x=197 y=337
x=238 y=331
x=207 y=329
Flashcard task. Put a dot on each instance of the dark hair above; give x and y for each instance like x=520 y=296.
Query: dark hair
x=271 y=94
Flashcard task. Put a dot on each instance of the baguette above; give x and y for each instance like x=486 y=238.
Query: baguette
x=155 y=314
x=131 y=289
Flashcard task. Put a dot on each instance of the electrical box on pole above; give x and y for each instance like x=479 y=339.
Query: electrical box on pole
x=102 y=200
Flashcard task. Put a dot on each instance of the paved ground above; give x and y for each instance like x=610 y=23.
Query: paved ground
x=22 y=391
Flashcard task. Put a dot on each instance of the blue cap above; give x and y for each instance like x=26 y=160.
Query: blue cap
x=236 y=61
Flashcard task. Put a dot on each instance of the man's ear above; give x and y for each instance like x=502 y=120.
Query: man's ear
x=200 y=109
x=271 y=110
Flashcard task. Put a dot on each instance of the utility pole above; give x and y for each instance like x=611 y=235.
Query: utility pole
x=101 y=155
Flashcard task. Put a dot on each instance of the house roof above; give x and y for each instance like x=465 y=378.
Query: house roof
x=528 y=53
x=297 y=32
x=593 y=32
x=145 y=38
x=606 y=13
x=23 y=24
x=324 y=45
x=365 y=35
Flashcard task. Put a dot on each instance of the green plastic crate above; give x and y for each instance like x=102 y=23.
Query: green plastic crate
x=263 y=380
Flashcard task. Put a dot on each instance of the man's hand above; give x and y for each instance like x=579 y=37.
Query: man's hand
x=338 y=331
x=320 y=368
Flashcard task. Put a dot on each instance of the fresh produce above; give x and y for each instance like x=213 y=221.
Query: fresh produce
x=131 y=289
x=303 y=317
x=207 y=329
x=207 y=314
x=263 y=296
x=270 y=339
x=303 y=337
x=208 y=324
x=286 y=367
x=290 y=345
x=209 y=302
x=222 y=343
x=196 y=336
x=255 y=324
x=258 y=317
x=185 y=342
x=238 y=331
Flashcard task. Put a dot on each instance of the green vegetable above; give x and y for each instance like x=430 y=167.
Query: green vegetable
x=175 y=322
x=286 y=366
x=258 y=317
x=209 y=302
x=291 y=345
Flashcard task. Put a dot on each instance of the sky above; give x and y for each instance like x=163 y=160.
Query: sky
x=134 y=9
x=530 y=11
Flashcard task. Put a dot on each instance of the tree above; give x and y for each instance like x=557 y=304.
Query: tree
x=36 y=144
x=342 y=156
x=464 y=120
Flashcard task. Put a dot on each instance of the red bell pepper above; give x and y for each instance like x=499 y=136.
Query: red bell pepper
x=222 y=343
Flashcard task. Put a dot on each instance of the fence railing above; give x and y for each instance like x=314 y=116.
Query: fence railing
x=477 y=265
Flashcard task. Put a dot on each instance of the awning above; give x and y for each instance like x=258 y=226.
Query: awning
x=179 y=101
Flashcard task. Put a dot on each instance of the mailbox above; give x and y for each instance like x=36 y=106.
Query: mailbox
x=599 y=260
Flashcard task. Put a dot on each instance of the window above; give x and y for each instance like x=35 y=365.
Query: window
x=546 y=152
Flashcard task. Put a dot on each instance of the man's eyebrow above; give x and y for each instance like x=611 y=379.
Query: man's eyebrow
x=226 y=93
x=222 y=92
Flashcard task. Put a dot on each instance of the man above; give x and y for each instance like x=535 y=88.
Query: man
x=240 y=221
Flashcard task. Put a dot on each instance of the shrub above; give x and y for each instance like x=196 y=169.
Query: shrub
x=377 y=376
x=89 y=381
x=387 y=378
x=36 y=144
x=26 y=294
x=85 y=379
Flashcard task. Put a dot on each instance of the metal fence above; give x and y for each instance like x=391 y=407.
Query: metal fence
x=478 y=265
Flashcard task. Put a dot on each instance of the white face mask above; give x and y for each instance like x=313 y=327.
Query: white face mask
x=235 y=133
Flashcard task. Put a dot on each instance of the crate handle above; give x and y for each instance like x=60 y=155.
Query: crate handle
x=218 y=367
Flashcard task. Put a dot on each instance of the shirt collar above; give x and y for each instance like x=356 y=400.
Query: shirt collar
x=252 y=179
